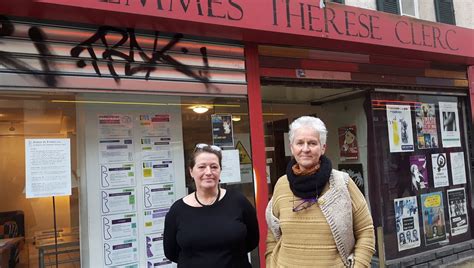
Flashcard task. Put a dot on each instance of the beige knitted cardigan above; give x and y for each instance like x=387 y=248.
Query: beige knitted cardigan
x=308 y=236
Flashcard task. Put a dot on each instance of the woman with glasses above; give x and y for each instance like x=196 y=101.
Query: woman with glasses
x=211 y=227
x=317 y=216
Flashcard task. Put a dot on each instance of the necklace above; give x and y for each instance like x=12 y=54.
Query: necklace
x=217 y=198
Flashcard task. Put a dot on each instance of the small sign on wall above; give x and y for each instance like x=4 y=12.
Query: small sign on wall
x=348 y=148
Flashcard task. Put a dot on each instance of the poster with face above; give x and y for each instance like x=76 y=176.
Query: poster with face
x=222 y=133
x=433 y=218
x=440 y=170
x=400 y=131
x=457 y=211
x=450 y=134
x=348 y=149
x=406 y=221
x=419 y=173
x=425 y=125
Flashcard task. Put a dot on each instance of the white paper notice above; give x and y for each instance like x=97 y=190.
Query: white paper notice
x=48 y=167
x=154 y=246
x=117 y=175
x=120 y=252
x=158 y=195
x=162 y=262
x=400 y=131
x=440 y=170
x=458 y=170
x=119 y=226
x=157 y=125
x=118 y=200
x=157 y=171
x=448 y=114
x=156 y=148
x=230 y=166
x=115 y=125
x=155 y=220
x=115 y=150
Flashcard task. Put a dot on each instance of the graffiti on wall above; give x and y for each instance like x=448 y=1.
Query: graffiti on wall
x=105 y=37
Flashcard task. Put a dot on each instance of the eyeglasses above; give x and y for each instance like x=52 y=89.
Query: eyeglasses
x=304 y=204
x=201 y=146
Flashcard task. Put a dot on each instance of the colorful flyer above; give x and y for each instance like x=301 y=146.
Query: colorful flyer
x=450 y=134
x=121 y=251
x=157 y=125
x=400 y=131
x=406 y=220
x=440 y=170
x=458 y=218
x=155 y=220
x=458 y=169
x=158 y=195
x=356 y=173
x=154 y=245
x=426 y=130
x=348 y=148
x=115 y=126
x=117 y=175
x=118 y=200
x=155 y=148
x=419 y=173
x=157 y=171
x=115 y=150
x=222 y=132
x=433 y=218
x=119 y=226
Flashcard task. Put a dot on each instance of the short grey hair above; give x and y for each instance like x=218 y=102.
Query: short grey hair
x=309 y=121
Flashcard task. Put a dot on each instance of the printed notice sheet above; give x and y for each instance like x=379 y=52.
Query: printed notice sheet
x=118 y=200
x=230 y=166
x=433 y=217
x=157 y=125
x=48 y=167
x=400 y=131
x=119 y=226
x=156 y=148
x=154 y=246
x=448 y=114
x=161 y=262
x=117 y=175
x=115 y=125
x=458 y=170
x=155 y=220
x=158 y=195
x=157 y=171
x=115 y=150
x=406 y=220
x=457 y=211
x=440 y=170
x=121 y=251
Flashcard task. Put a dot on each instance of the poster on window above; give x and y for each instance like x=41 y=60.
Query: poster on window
x=222 y=133
x=155 y=125
x=158 y=195
x=458 y=170
x=433 y=218
x=115 y=150
x=407 y=225
x=418 y=172
x=400 y=131
x=348 y=149
x=119 y=226
x=154 y=245
x=121 y=251
x=117 y=175
x=115 y=125
x=450 y=134
x=118 y=200
x=155 y=220
x=457 y=211
x=356 y=173
x=440 y=170
x=425 y=125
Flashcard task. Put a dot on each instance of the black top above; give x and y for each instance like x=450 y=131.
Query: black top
x=219 y=235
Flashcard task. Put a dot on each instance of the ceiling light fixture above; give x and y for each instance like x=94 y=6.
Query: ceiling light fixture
x=200 y=109
x=236 y=118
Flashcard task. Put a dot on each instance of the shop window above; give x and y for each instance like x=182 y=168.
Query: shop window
x=445 y=11
x=422 y=163
x=401 y=7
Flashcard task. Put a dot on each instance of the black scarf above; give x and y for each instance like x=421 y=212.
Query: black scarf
x=309 y=186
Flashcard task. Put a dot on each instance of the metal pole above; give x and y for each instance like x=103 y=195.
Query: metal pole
x=55 y=233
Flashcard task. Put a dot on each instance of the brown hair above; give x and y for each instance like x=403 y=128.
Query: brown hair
x=205 y=149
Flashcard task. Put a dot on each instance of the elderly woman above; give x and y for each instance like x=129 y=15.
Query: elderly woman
x=211 y=227
x=317 y=216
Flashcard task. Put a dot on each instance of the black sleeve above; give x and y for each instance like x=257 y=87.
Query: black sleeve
x=170 y=245
x=250 y=220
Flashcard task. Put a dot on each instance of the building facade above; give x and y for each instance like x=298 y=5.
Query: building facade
x=127 y=88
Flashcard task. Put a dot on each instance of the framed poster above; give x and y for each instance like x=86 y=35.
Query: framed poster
x=222 y=132
x=348 y=148
x=406 y=220
x=433 y=218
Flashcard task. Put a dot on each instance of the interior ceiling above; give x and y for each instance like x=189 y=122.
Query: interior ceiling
x=303 y=93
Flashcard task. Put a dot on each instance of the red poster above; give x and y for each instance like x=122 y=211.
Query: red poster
x=348 y=148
